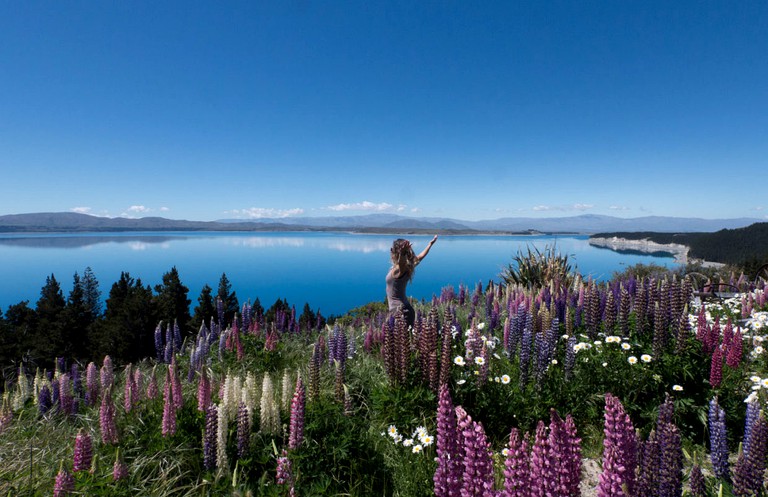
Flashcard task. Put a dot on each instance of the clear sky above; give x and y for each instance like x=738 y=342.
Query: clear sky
x=471 y=110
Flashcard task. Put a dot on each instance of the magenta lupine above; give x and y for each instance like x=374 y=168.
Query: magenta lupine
x=169 y=407
x=203 y=391
x=128 y=393
x=64 y=484
x=477 y=477
x=83 y=455
x=542 y=472
x=566 y=454
x=176 y=393
x=450 y=454
x=152 y=390
x=296 y=433
x=716 y=367
x=107 y=418
x=119 y=470
x=620 y=451
x=91 y=384
x=735 y=350
x=517 y=469
x=210 y=437
x=284 y=474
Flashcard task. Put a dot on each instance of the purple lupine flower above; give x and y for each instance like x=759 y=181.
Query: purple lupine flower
x=159 y=346
x=83 y=452
x=107 y=418
x=542 y=472
x=716 y=367
x=620 y=451
x=107 y=374
x=284 y=474
x=169 y=407
x=91 y=384
x=176 y=336
x=753 y=411
x=210 y=437
x=119 y=469
x=566 y=447
x=648 y=466
x=718 y=443
x=478 y=477
x=296 y=429
x=64 y=484
x=570 y=357
x=44 y=402
x=450 y=464
x=243 y=430
x=750 y=467
x=696 y=481
x=517 y=472
x=526 y=343
x=670 y=470
x=55 y=393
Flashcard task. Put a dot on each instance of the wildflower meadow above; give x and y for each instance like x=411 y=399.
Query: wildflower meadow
x=638 y=386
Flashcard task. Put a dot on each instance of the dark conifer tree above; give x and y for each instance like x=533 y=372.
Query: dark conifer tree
x=228 y=297
x=127 y=332
x=77 y=318
x=48 y=338
x=171 y=301
x=91 y=292
x=205 y=309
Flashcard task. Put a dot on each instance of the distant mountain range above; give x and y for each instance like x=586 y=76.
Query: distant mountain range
x=372 y=223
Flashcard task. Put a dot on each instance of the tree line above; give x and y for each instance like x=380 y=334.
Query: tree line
x=744 y=248
x=84 y=328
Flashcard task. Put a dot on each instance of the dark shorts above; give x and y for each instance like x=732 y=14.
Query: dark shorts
x=408 y=314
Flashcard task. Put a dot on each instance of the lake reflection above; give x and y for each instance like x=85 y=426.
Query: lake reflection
x=332 y=271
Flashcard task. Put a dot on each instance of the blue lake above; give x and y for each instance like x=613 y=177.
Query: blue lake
x=334 y=272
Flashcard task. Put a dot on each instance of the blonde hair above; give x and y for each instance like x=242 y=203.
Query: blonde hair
x=403 y=257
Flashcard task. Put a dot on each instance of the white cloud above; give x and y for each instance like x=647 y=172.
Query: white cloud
x=562 y=208
x=81 y=210
x=139 y=209
x=758 y=208
x=619 y=208
x=366 y=206
x=582 y=207
x=415 y=210
x=164 y=209
x=261 y=212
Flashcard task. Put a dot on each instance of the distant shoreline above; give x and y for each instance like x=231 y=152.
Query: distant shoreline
x=646 y=246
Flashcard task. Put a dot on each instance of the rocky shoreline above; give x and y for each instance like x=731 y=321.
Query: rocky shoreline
x=679 y=252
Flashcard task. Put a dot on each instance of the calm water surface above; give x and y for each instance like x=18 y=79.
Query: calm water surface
x=331 y=271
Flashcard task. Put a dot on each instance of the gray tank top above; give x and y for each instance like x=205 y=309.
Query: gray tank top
x=396 y=296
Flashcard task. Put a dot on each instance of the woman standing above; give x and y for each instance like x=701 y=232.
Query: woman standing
x=404 y=262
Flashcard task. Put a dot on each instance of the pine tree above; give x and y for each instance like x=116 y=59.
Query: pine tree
x=91 y=293
x=171 y=301
x=205 y=309
x=228 y=297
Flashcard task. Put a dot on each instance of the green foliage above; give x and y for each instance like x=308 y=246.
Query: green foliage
x=537 y=268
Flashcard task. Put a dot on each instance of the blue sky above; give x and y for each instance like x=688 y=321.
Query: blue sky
x=470 y=110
